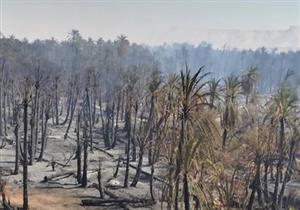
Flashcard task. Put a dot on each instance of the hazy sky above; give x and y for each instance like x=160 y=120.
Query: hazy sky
x=145 y=21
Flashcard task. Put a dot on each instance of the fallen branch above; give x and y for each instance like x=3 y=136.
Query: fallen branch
x=104 y=151
x=53 y=176
x=149 y=175
x=100 y=202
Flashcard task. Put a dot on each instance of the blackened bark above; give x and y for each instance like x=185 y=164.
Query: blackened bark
x=99 y=177
x=25 y=146
x=16 y=133
x=151 y=182
x=78 y=152
x=85 y=157
x=186 y=193
x=134 y=132
x=73 y=107
x=127 y=155
x=138 y=169
x=45 y=126
x=56 y=101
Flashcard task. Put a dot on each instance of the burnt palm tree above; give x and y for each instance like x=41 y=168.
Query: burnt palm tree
x=248 y=82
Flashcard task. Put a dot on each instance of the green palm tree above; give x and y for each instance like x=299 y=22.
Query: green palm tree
x=213 y=92
x=231 y=91
x=283 y=106
x=190 y=98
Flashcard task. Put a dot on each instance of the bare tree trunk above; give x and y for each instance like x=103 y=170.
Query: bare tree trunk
x=116 y=125
x=1 y=90
x=73 y=107
x=85 y=157
x=94 y=107
x=4 y=113
x=16 y=133
x=151 y=182
x=56 y=101
x=25 y=144
x=150 y=123
x=32 y=129
x=186 y=193
x=266 y=188
x=44 y=133
x=128 y=149
x=117 y=168
x=139 y=168
x=134 y=130
x=99 y=176
x=78 y=152
x=89 y=119
x=69 y=103
x=37 y=117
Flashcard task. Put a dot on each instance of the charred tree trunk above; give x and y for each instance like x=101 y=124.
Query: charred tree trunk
x=37 y=117
x=69 y=104
x=25 y=146
x=85 y=157
x=151 y=182
x=4 y=113
x=32 y=130
x=78 y=152
x=16 y=133
x=89 y=119
x=1 y=91
x=117 y=121
x=45 y=126
x=99 y=177
x=138 y=169
x=186 y=193
x=128 y=148
x=133 y=132
x=117 y=168
x=73 y=107
x=56 y=101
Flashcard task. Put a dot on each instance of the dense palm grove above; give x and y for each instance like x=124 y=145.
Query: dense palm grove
x=225 y=144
